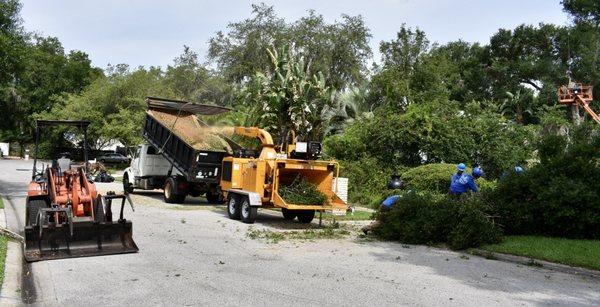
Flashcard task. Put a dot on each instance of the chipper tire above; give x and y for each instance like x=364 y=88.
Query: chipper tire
x=306 y=216
x=233 y=206
x=248 y=212
x=289 y=214
x=33 y=207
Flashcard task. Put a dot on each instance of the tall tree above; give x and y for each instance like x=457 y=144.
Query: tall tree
x=339 y=50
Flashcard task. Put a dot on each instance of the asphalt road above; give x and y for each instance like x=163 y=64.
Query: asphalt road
x=194 y=255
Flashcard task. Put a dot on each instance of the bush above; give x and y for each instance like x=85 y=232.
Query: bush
x=430 y=218
x=436 y=178
x=367 y=180
x=560 y=196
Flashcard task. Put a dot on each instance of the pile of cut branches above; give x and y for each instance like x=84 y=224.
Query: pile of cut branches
x=302 y=192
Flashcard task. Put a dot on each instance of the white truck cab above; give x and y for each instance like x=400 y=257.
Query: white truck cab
x=148 y=170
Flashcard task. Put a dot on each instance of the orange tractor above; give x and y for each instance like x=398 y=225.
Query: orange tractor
x=65 y=216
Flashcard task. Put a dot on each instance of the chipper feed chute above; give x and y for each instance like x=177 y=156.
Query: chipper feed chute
x=73 y=236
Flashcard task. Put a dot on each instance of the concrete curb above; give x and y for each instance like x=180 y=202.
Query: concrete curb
x=535 y=262
x=10 y=293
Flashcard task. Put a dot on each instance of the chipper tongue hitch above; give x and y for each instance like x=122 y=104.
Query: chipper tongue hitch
x=79 y=236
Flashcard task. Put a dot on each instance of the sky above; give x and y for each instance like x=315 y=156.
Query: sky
x=153 y=32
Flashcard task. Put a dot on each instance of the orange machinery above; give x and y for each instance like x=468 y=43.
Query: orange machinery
x=580 y=95
x=252 y=181
x=65 y=216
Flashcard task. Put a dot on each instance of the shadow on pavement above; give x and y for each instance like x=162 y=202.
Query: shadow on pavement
x=551 y=287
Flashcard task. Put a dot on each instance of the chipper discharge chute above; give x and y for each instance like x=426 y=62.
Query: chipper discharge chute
x=66 y=217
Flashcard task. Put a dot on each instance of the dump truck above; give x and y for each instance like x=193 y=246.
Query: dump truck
x=193 y=151
x=65 y=216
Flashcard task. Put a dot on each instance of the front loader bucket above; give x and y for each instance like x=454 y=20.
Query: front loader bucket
x=87 y=239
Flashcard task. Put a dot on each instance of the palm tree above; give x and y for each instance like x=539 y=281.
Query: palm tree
x=516 y=105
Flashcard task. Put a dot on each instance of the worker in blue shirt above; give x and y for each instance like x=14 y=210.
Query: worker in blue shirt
x=461 y=181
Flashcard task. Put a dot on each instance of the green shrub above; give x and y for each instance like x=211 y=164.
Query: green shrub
x=560 y=196
x=430 y=218
x=367 y=180
x=436 y=178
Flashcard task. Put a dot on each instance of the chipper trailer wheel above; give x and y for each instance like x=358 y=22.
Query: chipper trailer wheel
x=248 y=212
x=306 y=216
x=233 y=206
x=288 y=214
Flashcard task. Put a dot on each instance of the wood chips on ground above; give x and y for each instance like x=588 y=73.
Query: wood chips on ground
x=186 y=126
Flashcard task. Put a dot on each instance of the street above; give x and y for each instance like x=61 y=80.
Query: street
x=192 y=254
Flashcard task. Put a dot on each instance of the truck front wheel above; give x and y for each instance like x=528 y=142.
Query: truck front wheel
x=127 y=186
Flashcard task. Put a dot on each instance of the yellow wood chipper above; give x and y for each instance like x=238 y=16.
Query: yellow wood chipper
x=250 y=181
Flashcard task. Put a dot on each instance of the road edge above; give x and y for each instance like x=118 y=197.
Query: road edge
x=10 y=293
x=563 y=268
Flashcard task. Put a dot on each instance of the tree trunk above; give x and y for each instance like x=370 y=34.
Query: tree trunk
x=575 y=115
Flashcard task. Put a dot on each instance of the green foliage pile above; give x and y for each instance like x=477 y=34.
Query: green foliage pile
x=301 y=191
x=560 y=196
x=431 y=218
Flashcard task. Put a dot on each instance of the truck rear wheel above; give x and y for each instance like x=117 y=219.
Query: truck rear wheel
x=215 y=198
x=233 y=206
x=288 y=214
x=169 y=192
x=306 y=216
x=248 y=212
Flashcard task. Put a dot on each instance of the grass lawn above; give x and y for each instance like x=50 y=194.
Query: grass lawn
x=357 y=216
x=581 y=253
x=3 y=242
x=1 y=203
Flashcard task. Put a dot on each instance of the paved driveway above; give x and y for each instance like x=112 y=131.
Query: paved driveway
x=194 y=255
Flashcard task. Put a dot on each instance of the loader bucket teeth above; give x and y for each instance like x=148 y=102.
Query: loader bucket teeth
x=88 y=239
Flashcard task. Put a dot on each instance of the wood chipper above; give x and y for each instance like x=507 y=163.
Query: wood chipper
x=65 y=216
x=250 y=180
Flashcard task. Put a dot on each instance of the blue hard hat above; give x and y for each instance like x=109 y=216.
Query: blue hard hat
x=477 y=172
x=518 y=169
x=461 y=167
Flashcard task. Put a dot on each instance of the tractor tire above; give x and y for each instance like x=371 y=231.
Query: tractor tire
x=289 y=214
x=99 y=211
x=168 y=192
x=248 y=212
x=127 y=186
x=33 y=207
x=306 y=216
x=233 y=206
